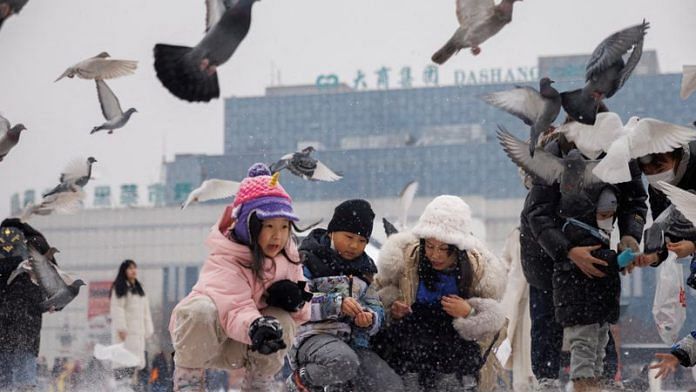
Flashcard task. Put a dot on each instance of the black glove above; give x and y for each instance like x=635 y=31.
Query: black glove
x=287 y=295
x=266 y=335
x=13 y=249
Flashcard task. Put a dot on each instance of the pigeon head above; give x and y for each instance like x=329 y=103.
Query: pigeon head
x=308 y=149
x=91 y=160
x=78 y=283
x=131 y=111
x=103 y=55
x=545 y=88
x=18 y=128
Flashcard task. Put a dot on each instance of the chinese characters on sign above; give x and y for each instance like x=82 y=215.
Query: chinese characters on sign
x=382 y=79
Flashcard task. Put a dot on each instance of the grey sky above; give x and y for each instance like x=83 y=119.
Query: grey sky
x=302 y=38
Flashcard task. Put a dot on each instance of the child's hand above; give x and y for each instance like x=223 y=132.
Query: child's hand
x=455 y=306
x=682 y=248
x=667 y=365
x=350 y=307
x=399 y=310
x=363 y=319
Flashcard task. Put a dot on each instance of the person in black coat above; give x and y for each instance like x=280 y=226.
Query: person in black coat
x=678 y=168
x=20 y=311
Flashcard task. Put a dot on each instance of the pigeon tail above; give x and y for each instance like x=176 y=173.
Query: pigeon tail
x=95 y=130
x=580 y=106
x=445 y=52
x=182 y=75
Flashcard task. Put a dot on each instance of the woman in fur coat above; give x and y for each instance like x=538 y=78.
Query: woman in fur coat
x=440 y=287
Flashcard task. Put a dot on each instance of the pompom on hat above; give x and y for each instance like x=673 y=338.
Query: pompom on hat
x=448 y=219
x=260 y=193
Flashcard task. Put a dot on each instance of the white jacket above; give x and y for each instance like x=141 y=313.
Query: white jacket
x=131 y=313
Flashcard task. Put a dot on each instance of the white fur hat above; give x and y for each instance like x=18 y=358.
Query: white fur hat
x=448 y=219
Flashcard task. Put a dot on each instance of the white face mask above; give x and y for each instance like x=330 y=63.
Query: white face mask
x=666 y=176
x=606 y=225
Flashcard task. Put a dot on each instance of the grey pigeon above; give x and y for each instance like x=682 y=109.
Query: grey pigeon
x=303 y=165
x=191 y=73
x=606 y=72
x=100 y=66
x=670 y=223
x=478 y=21
x=75 y=176
x=573 y=173
x=538 y=109
x=9 y=136
x=9 y=8
x=211 y=190
x=58 y=292
x=111 y=109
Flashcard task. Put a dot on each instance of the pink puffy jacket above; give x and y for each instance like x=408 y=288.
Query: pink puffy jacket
x=237 y=293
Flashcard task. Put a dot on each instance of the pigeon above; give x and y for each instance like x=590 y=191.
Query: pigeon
x=211 y=190
x=9 y=8
x=118 y=354
x=60 y=203
x=191 y=73
x=639 y=137
x=101 y=67
x=683 y=201
x=688 y=84
x=9 y=136
x=606 y=72
x=59 y=293
x=25 y=267
x=303 y=165
x=75 y=176
x=573 y=173
x=389 y=227
x=111 y=109
x=538 y=109
x=478 y=21
x=670 y=222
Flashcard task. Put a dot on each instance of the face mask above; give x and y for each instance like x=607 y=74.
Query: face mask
x=666 y=176
x=606 y=225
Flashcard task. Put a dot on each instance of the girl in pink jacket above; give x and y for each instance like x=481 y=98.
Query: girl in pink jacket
x=226 y=321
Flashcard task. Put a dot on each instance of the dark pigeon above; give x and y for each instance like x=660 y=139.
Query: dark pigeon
x=74 y=177
x=538 y=109
x=191 y=73
x=59 y=293
x=303 y=165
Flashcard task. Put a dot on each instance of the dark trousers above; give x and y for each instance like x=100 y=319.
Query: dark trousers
x=546 y=333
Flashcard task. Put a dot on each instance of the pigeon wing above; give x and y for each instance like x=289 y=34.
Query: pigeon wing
x=323 y=173
x=631 y=64
x=74 y=170
x=613 y=48
x=471 y=12
x=543 y=165
x=405 y=200
x=651 y=136
x=592 y=140
x=688 y=84
x=108 y=101
x=213 y=189
x=106 y=68
x=46 y=274
x=4 y=126
x=684 y=201
x=223 y=38
x=523 y=102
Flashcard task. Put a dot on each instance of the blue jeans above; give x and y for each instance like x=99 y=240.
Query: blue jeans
x=547 y=335
x=17 y=370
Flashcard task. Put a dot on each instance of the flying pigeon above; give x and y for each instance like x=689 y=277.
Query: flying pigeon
x=478 y=21
x=688 y=84
x=9 y=8
x=211 y=190
x=75 y=176
x=100 y=66
x=538 y=109
x=191 y=73
x=670 y=222
x=303 y=165
x=9 y=136
x=640 y=137
x=573 y=173
x=683 y=201
x=58 y=291
x=60 y=203
x=606 y=72
x=111 y=109
x=25 y=267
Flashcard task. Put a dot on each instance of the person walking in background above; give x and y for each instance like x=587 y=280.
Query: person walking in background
x=131 y=322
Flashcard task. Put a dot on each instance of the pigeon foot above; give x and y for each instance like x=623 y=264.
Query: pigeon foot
x=5 y=10
x=475 y=50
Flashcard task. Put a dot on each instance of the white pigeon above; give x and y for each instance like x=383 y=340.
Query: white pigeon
x=688 y=84
x=9 y=136
x=405 y=200
x=683 y=201
x=116 y=353
x=593 y=140
x=68 y=202
x=640 y=137
x=211 y=190
x=100 y=66
x=111 y=109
